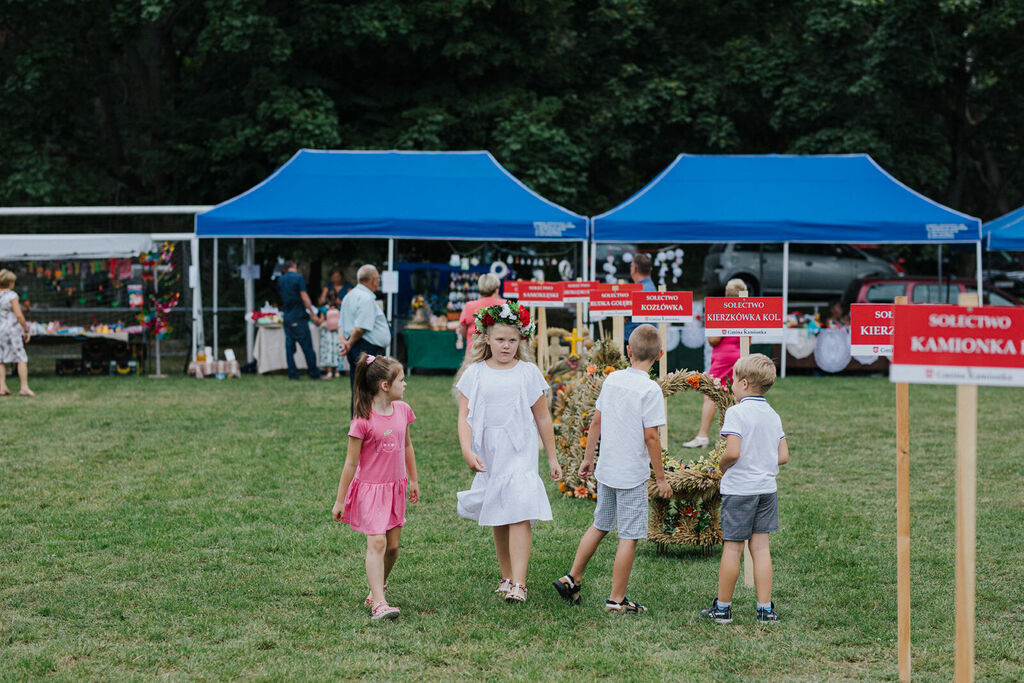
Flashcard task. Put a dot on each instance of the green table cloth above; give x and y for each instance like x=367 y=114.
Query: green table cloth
x=431 y=350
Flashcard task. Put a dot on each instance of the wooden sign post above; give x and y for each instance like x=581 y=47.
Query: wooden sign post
x=743 y=317
x=541 y=295
x=968 y=346
x=871 y=334
x=577 y=292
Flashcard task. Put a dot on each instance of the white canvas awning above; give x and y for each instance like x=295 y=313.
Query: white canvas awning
x=55 y=247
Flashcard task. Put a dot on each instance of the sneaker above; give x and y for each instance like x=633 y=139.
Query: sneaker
x=697 y=442
x=368 y=602
x=627 y=606
x=767 y=616
x=719 y=615
x=382 y=610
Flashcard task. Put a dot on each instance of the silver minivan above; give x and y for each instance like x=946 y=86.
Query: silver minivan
x=814 y=269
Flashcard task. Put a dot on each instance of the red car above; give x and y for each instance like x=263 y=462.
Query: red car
x=924 y=290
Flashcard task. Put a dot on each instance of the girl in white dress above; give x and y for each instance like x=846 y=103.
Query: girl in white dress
x=502 y=412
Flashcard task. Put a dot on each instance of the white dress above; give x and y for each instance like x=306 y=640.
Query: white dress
x=506 y=439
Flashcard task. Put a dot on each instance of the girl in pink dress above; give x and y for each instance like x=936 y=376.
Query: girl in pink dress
x=380 y=467
x=725 y=351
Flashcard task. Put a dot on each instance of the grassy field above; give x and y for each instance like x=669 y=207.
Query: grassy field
x=182 y=528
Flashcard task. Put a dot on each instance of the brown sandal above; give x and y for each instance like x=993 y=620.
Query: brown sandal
x=516 y=593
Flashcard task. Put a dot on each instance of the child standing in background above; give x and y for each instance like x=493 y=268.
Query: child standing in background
x=502 y=411
x=755 y=448
x=330 y=357
x=379 y=467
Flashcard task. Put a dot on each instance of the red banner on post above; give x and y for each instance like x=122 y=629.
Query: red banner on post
x=871 y=329
x=943 y=344
x=662 y=307
x=737 y=316
x=542 y=294
x=608 y=300
x=577 y=292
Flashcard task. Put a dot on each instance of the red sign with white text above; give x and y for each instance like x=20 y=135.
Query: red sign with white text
x=577 y=292
x=543 y=294
x=871 y=329
x=608 y=300
x=662 y=307
x=943 y=344
x=510 y=289
x=742 y=316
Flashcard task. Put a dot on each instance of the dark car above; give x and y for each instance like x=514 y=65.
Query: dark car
x=1004 y=271
x=923 y=290
x=814 y=269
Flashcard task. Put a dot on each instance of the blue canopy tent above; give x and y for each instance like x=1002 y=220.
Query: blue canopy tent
x=389 y=195
x=1006 y=232
x=782 y=198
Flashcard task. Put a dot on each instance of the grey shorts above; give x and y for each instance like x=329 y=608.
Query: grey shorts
x=622 y=509
x=743 y=516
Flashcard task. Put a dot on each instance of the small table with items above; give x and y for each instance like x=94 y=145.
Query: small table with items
x=269 y=351
x=432 y=350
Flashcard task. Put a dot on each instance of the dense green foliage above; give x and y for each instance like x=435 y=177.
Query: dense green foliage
x=154 y=101
x=181 y=528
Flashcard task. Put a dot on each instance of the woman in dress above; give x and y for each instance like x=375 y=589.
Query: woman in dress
x=13 y=335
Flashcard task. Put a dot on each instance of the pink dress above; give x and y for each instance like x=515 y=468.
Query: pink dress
x=723 y=357
x=466 y=317
x=375 y=500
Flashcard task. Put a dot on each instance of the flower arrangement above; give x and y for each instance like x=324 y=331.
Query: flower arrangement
x=509 y=313
x=418 y=301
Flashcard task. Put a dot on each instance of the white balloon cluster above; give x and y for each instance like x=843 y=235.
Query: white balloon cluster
x=669 y=260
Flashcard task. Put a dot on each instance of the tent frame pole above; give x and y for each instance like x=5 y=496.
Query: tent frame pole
x=981 y=297
x=198 y=339
x=785 y=302
x=391 y=295
x=216 y=338
x=249 y=255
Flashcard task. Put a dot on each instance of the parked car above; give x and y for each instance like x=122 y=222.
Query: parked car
x=923 y=290
x=814 y=269
x=1004 y=272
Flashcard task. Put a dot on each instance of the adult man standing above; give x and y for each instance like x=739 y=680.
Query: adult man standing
x=639 y=271
x=295 y=302
x=364 y=327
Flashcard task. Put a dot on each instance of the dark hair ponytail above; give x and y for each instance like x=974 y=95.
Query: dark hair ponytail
x=370 y=372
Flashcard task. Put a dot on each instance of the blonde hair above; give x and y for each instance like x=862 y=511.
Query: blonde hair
x=758 y=369
x=481 y=350
x=368 y=378
x=488 y=284
x=7 y=278
x=645 y=342
x=735 y=287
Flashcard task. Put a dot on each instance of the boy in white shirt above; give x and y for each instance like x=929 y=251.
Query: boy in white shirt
x=755 y=447
x=628 y=412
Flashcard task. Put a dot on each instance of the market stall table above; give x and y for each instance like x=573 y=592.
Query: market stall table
x=432 y=350
x=268 y=349
x=209 y=368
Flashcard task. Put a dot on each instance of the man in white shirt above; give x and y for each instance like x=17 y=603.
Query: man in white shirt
x=364 y=327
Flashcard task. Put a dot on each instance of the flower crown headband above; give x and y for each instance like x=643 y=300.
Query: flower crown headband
x=509 y=313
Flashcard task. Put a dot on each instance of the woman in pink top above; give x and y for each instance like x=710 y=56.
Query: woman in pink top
x=487 y=285
x=380 y=467
x=725 y=351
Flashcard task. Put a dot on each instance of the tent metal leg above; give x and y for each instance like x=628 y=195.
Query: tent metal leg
x=216 y=339
x=391 y=295
x=249 y=251
x=198 y=338
x=981 y=296
x=785 y=301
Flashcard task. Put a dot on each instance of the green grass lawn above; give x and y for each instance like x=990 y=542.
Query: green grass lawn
x=182 y=528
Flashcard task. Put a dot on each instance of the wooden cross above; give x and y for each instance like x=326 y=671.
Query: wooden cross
x=574 y=339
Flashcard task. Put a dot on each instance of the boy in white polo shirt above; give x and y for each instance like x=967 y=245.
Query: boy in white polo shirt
x=755 y=447
x=627 y=415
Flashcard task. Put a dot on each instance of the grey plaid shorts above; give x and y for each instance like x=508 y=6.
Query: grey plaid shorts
x=622 y=509
x=743 y=516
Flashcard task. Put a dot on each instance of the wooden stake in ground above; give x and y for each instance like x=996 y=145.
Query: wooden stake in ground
x=903 y=525
x=966 y=501
x=662 y=371
x=748 y=561
x=542 y=339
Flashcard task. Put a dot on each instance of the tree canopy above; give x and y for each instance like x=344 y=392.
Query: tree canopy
x=191 y=102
